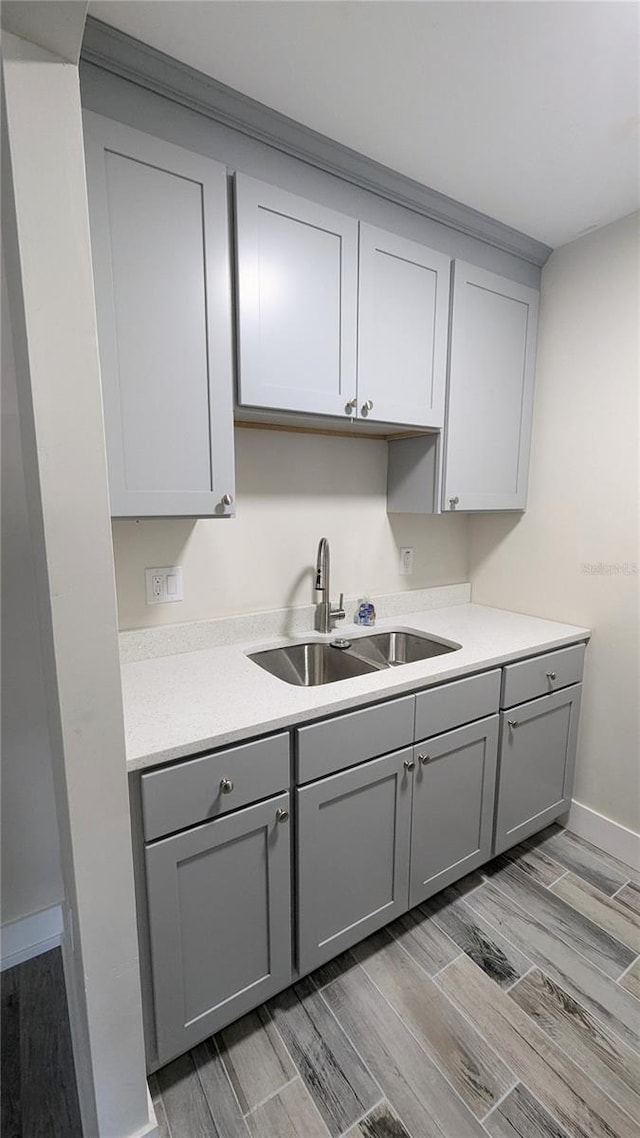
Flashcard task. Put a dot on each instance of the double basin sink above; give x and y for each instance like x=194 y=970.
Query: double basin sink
x=318 y=662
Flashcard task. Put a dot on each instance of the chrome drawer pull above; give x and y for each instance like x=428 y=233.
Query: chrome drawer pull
x=513 y=723
x=424 y=759
x=409 y=764
x=226 y=785
x=282 y=815
x=551 y=675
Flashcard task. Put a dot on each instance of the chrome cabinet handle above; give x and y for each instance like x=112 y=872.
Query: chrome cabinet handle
x=513 y=723
x=409 y=764
x=227 y=499
x=282 y=815
x=351 y=405
x=424 y=759
x=367 y=406
x=226 y=785
x=551 y=675
x=453 y=502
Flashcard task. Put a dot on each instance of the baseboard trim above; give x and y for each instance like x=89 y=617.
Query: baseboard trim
x=29 y=936
x=150 y=1128
x=603 y=832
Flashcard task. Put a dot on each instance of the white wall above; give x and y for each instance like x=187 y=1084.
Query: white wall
x=31 y=876
x=573 y=555
x=292 y=489
x=49 y=284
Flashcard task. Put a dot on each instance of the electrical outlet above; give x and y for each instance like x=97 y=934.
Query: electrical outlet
x=406 y=561
x=163 y=585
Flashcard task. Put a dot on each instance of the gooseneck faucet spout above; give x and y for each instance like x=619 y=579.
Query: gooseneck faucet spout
x=323 y=565
x=323 y=585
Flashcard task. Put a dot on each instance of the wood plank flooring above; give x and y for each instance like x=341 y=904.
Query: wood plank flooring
x=508 y=1005
x=39 y=1097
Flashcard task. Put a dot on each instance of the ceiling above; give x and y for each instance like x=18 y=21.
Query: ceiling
x=524 y=109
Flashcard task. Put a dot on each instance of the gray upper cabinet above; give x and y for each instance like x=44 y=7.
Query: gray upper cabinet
x=315 y=289
x=297 y=291
x=402 y=330
x=219 y=921
x=159 y=234
x=490 y=397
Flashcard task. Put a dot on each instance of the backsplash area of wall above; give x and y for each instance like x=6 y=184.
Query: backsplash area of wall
x=291 y=490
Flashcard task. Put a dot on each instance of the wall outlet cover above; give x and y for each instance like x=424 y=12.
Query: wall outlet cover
x=163 y=585
x=406 y=561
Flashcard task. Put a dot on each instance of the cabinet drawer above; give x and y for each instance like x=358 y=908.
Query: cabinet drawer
x=542 y=675
x=451 y=705
x=191 y=792
x=349 y=739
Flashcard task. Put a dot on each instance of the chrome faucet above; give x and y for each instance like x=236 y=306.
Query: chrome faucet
x=323 y=585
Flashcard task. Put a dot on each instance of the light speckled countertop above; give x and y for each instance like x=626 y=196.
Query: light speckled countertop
x=183 y=704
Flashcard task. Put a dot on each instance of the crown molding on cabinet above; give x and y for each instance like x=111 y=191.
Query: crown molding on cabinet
x=120 y=54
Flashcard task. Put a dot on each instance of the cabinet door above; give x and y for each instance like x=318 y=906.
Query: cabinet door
x=537 y=759
x=159 y=235
x=403 y=310
x=453 y=798
x=297 y=273
x=490 y=400
x=353 y=855
x=219 y=922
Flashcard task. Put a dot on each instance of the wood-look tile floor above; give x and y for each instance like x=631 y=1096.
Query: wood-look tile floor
x=39 y=1096
x=508 y=1006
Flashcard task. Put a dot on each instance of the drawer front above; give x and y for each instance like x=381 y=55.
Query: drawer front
x=203 y=788
x=452 y=705
x=542 y=675
x=324 y=748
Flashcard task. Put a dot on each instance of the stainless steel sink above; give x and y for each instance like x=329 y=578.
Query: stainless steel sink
x=390 y=649
x=313 y=663
x=308 y=665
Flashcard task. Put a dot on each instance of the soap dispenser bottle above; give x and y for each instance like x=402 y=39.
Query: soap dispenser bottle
x=366 y=614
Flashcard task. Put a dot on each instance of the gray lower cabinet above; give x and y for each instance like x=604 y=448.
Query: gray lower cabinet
x=537 y=758
x=353 y=855
x=219 y=921
x=453 y=798
x=375 y=834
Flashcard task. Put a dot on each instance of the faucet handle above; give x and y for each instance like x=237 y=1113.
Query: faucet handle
x=339 y=613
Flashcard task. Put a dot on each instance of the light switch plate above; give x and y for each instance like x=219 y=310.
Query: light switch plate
x=163 y=585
